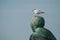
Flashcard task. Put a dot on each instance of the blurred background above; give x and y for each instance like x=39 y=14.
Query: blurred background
x=15 y=17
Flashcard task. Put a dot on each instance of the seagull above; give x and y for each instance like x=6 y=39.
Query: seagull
x=37 y=11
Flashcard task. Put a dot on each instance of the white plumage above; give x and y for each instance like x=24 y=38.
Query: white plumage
x=37 y=11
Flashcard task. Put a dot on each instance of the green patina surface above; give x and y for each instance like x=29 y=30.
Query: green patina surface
x=39 y=32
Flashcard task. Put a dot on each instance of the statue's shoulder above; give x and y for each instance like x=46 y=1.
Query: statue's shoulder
x=34 y=36
x=49 y=34
x=45 y=33
x=42 y=30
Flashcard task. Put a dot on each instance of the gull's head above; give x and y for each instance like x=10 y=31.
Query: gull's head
x=37 y=11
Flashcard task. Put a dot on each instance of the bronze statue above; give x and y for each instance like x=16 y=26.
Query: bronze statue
x=39 y=32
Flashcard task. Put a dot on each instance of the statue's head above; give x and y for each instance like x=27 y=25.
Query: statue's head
x=37 y=22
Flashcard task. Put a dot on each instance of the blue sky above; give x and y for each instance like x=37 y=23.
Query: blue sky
x=15 y=17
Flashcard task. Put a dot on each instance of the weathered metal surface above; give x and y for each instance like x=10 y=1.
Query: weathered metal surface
x=39 y=32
